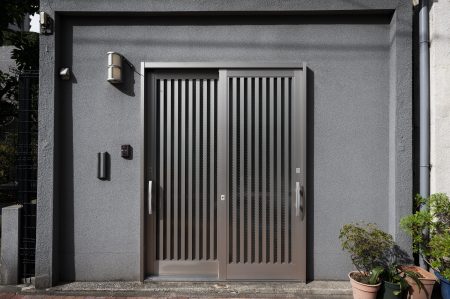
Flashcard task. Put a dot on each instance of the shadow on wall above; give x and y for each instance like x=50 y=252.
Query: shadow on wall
x=64 y=117
x=310 y=174
x=266 y=21
x=127 y=85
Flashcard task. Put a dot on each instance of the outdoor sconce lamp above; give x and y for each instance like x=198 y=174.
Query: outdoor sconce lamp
x=46 y=23
x=64 y=73
x=114 y=67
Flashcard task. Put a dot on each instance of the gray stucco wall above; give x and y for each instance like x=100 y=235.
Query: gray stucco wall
x=359 y=110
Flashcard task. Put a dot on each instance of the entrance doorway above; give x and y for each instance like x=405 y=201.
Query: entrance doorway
x=225 y=156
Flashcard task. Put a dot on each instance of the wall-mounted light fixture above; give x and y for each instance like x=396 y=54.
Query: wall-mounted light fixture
x=64 y=73
x=114 y=67
x=103 y=166
x=46 y=23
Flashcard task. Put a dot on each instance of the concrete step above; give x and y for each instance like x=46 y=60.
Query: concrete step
x=199 y=289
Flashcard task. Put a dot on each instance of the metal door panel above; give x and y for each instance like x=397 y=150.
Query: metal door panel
x=265 y=122
x=185 y=172
x=226 y=151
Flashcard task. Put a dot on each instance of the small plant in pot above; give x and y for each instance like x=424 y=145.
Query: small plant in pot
x=367 y=246
x=429 y=228
x=427 y=280
x=395 y=284
x=440 y=260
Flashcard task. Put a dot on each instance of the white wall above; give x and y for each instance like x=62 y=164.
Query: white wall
x=440 y=95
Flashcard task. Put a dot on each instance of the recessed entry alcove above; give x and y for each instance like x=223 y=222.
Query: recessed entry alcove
x=342 y=64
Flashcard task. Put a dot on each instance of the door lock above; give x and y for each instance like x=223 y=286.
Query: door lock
x=222 y=197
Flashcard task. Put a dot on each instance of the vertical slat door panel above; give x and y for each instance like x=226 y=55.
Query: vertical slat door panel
x=212 y=163
x=169 y=174
x=262 y=202
x=249 y=190
x=186 y=174
x=240 y=138
x=190 y=158
x=257 y=167
x=264 y=184
x=286 y=163
x=176 y=178
x=160 y=178
x=241 y=171
x=278 y=177
x=232 y=171
x=205 y=180
x=197 y=162
x=271 y=195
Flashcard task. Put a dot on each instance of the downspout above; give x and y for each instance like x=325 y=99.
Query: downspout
x=424 y=113
x=424 y=103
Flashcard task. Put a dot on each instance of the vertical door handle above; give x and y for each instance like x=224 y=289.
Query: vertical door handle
x=302 y=202
x=299 y=200
x=149 y=197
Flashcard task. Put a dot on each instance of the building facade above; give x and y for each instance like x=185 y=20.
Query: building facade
x=440 y=96
x=241 y=138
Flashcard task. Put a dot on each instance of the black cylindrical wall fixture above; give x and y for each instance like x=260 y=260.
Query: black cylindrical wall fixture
x=102 y=168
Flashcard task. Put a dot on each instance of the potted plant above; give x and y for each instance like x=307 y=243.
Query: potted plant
x=395 y=282
x=440 y=259
x=427 y=281
x=367 y=246
x=429 y=228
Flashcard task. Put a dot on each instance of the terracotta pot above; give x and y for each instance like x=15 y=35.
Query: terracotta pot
x=363 y=291
x=428 y=280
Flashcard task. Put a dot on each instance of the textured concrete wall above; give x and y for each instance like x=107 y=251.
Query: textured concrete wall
x=9 y=254
x=359 y=120
x=440 y=96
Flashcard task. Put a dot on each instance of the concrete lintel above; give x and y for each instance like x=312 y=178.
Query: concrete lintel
x=181 y=6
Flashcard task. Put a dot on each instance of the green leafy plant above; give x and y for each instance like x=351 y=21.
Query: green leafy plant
x=429 y=228
x=367 y=246
x=394 y=274
x=14 y=12
x=25 y=53
x=440 y=253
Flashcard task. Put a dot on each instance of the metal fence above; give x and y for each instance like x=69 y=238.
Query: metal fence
x=19 y=141
x=26 y=167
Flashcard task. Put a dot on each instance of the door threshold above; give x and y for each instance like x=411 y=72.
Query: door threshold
x=181 y=278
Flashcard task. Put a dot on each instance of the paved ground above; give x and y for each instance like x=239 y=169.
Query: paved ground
x=161 y=289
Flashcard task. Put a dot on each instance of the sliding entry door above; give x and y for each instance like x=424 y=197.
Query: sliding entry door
x=226 y=174
x=183 y=154
x=266 y=235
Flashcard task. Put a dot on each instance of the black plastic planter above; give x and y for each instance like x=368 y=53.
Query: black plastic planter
x=387 y=291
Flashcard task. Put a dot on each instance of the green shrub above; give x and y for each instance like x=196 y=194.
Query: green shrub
x=429 y=228
x=368 y=247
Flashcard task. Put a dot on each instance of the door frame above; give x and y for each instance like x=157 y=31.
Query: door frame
x=222 y=67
